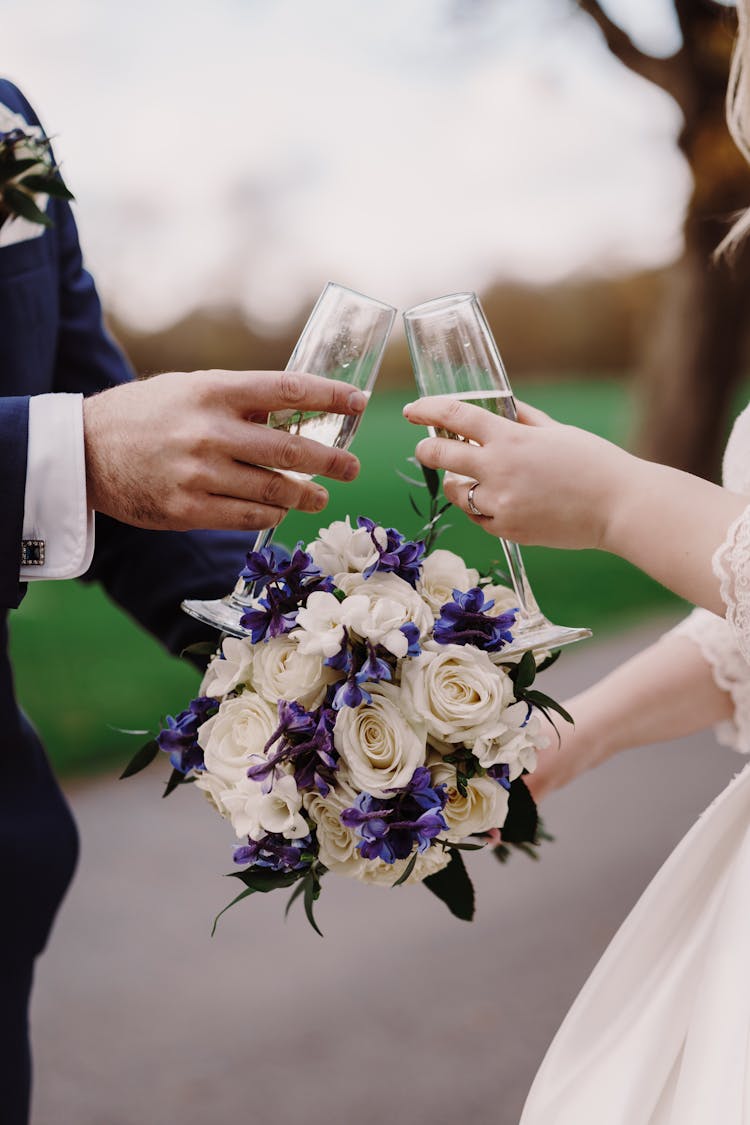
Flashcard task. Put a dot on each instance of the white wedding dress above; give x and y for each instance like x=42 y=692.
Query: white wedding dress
x=660 y=1033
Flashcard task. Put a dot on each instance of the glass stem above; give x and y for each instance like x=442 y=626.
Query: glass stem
x=242 y=590
x=530 y=614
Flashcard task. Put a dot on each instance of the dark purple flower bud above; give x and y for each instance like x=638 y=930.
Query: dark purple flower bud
x=179 y=738
x=500 y=774
x=390 y=827
x=374 y=668
x=466 y=621
x=276 y=853
x=411 y=632
x=399 y=556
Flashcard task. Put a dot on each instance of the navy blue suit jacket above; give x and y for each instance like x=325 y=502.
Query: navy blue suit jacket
x=52 y=339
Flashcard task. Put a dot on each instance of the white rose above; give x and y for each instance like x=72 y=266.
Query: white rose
x=380 y=747
x=281 y=671
x=390 y=588
x=319 y=629
x=442 y=573
x=337 y=843
x=341 y=548
x=503 y=597
x=253 y=813
x=457 y=691
x=214 y=789
x=516 y=745
x=485 y=805
x=235 y=734
x=230 y=668
x=378 y=621
x=382 y=874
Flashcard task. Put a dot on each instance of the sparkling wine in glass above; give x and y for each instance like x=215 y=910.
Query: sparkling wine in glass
x=453 y=353
x=344 y=338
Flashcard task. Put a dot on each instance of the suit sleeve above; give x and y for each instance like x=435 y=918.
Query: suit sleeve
x=14 y=426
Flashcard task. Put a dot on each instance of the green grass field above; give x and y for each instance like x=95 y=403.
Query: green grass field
x=84 y=669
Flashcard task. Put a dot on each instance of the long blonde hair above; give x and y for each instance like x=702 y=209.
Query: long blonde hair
x=738 y=117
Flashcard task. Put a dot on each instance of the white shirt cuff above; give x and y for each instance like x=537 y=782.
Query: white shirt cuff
x=56 y=513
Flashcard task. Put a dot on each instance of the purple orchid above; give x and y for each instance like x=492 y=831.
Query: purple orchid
x=466 y=621
x=179 y=738
x=500 y=774
x=276 y=853
x=287 y=582
x=399 y=556
x=305 y=741
x=390 y=827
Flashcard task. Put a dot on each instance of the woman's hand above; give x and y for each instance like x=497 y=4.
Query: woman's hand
x=540 y=482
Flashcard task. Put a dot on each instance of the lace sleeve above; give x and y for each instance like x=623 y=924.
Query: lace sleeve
x=731 y=564
x=731 y=672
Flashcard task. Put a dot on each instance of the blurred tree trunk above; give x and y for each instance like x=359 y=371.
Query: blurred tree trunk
x=694 y=359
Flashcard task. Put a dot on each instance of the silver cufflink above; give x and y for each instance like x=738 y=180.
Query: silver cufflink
x=32 y=552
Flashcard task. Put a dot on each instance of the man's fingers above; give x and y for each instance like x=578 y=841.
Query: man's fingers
x=226 y=513
x=448 y=413
x=259 y=445
x=254 y=392
x=258 y=485
x=455 y=456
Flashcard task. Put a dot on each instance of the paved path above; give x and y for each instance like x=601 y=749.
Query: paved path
x=402 y=1014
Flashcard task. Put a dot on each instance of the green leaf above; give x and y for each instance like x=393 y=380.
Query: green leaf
x=298 y=890
x=241 y=895
x=453 y=886
x=432 y=480
x=416 y=507
x=200 y=648
x=464 y=847
x=175 y=778
x=407 y=870
x=21 y=204
x=312 y=894
x=142 y=758
x=522 y=821
x=50 y=185
x=545 y=701
x=411 y=480
x=11 y=169
x=550 y=660
x=524 y=673
x=262 y=880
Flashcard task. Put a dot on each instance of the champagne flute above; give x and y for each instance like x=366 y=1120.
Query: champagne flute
x=453 y=353
x=344 y=339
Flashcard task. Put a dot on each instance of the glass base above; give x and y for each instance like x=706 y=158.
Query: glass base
x=543 y=636
x=223 y=614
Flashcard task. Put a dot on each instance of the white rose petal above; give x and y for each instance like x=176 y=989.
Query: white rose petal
x=457 y=691
x=343 y=549
x=379 y=873
x=229 y=669
x=319 y=629
x=235 y=734
x=380 y=747
x=282 y=671
x=503 y=596
x=485 y=805
x=516 y=745
x=214 y=789
x=393 y=591
x=337 y=843
x=442 y=573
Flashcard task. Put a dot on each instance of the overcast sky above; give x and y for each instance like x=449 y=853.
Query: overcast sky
x=249 y=150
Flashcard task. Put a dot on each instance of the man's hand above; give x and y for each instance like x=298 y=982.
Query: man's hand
x=191 y=450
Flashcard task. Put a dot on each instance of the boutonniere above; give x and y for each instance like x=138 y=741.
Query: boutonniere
x=27 y=170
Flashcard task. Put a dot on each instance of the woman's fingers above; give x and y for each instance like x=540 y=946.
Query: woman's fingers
x=532 y=416
x=456 y=490
x=455 y=456
x=448 y=413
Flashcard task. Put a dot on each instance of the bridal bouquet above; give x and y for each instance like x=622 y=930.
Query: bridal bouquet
x=369 y=725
